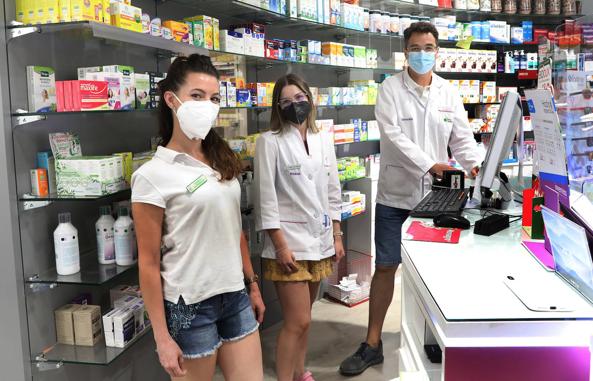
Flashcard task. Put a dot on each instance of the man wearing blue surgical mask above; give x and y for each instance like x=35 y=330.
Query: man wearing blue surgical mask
x=420 y=115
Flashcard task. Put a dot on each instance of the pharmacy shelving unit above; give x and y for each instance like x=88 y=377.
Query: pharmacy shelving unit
x=30 y=289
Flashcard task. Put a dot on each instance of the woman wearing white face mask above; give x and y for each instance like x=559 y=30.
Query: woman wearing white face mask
x=193 y=258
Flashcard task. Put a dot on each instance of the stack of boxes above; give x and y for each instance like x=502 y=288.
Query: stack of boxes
x=353 y=204
x=473 y=91
x=128 y=317
x=466 y=61
x=78 y=324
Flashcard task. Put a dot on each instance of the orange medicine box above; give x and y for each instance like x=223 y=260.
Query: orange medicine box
x=39 y=183
x=180 y=30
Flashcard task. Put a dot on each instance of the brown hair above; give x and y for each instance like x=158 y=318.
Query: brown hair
x=420 y=27
x=216 y=149
x=277 y=122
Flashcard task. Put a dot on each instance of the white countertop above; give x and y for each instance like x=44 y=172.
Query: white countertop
x=466 y=280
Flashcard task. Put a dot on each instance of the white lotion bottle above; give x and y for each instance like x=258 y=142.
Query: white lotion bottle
x=66 y=246
x=105 y=240
x=125 y=245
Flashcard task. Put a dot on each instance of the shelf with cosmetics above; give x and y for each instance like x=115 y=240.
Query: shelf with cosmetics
x=272 y=13
x=91 y=273
x=160 y=45
x=99 y=354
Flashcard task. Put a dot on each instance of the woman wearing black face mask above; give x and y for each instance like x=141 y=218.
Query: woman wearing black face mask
x=298 y=207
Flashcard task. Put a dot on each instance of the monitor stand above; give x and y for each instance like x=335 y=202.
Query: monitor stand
x=484 y=196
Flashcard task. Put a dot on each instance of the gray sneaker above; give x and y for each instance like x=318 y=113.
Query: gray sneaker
x=364 y=357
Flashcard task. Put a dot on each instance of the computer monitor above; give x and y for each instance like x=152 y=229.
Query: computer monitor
x=490 y=178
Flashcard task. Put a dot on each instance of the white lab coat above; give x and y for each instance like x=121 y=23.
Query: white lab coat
x=297 y=193
x=415 y=135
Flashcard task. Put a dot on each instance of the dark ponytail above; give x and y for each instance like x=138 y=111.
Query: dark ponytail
x=216 y=149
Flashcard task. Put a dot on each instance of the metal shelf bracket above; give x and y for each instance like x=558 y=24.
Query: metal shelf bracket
x=43 y=365
x=25 y=119
x=41 y=287
x=19 y=32
x=29 y=205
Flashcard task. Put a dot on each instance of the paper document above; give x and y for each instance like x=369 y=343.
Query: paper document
x=420 y=231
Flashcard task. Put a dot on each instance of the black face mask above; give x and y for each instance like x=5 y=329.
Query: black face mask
x=297 y=112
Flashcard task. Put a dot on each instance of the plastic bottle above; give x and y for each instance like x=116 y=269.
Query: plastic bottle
x=508 y=62
x=249 y=189
x=571 y=60
x=125 y=239
x=66 y=246
x=523 y=60
x=105 y=240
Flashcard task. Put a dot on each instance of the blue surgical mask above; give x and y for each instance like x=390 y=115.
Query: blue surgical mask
x=421 y=62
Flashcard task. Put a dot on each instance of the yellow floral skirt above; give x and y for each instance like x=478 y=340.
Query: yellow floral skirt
x=309 y=271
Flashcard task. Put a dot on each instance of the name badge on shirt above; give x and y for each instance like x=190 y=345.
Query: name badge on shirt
x=294 y=170
x=196 y=184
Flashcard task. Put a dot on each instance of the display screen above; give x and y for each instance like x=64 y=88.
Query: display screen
x=571 y=251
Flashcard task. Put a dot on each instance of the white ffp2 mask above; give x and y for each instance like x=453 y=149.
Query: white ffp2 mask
x=196 y=117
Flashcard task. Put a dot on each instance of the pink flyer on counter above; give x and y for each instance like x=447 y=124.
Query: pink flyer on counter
x=539 y=252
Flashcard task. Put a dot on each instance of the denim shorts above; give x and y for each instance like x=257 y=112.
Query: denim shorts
x=388 y=234
x=200 y=329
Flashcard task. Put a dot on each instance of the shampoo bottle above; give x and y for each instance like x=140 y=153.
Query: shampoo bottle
x=66 y=246
x=125 y=239
x=105 y=241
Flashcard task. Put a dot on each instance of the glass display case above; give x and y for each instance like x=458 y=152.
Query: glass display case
x=572 y=61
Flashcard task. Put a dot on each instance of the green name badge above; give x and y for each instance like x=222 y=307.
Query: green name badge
x=196 y=184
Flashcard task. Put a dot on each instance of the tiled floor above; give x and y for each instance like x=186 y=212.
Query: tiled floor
x=336 y=332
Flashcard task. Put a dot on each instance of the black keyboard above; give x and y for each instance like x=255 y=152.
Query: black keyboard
x=441 y=201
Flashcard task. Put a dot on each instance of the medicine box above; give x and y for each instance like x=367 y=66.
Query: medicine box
x=64 y=321
x=89 y=95
x=488 y=92
x=243 y=98
x=180 y=30
x=142 y=88
x=39 y=182
x=126 y=16
x=115 y=87
x=231 y=94
x=89 y=176
x=127 y=159
x=123 y=291
x=46 y=161
x=41 y=89
x=127 y=95
x=87 y=325
x=216 y=33
x=203 y=25
x=86 y=10
x=517 y=36
x=124 y=327
x=232 y=42
x=83 y=72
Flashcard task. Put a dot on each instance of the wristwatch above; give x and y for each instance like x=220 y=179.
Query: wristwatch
x=252 y=279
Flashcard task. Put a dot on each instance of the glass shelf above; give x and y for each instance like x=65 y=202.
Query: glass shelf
x=252 y=108
x=89 y=29
x=91 y=273
x=53 y=197
x=369 y=147
x=99 y=354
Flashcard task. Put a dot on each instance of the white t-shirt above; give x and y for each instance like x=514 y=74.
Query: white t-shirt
x=201 y=254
